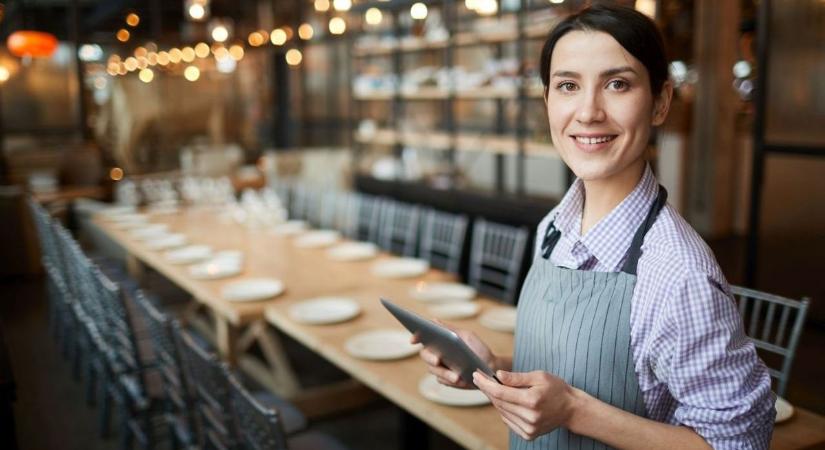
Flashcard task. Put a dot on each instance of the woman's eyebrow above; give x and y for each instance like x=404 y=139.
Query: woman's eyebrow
x=604 y=74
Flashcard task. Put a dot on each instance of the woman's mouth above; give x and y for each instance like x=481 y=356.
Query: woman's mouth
x=593 y=143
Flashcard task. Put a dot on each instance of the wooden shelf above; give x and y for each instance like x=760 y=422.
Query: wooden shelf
x=466 y=142
x=459 y=39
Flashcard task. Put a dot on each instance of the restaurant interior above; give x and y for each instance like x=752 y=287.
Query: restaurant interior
x=202 y=202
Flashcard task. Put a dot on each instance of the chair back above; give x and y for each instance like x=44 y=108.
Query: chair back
x=496 y=259
x=211 y=389
x=259 y=428
x=398 y=230
x=179 y=403
x=442 y=240
x=774 y=324
x=367 y=217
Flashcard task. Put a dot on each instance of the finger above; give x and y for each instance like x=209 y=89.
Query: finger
x=430 y=357
x=415 y=339
x=520 y=379
x=500 y=391
x=444 y=373
x=513 y=426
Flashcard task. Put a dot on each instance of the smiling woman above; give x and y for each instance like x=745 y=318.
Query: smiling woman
x=627 y=335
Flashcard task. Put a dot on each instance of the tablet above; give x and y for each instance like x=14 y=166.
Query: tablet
x=455 y=354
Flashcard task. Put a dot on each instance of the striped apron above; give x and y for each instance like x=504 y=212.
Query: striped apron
x=575 y=324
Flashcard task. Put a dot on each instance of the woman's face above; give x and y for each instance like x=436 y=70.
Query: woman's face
x=600 y=106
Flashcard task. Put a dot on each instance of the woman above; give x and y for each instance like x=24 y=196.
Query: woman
x=627 y=335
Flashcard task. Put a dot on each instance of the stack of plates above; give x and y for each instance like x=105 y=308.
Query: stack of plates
x=324 y=311
x=189 y=255
x=442 y=292
x=431 y=389
x=252 y=289
x=318 y=239
x=166 y=241
x=455 y=311
x=353 y=251
x=400 y=268
x=500 y=319
x=381 y=345
x=291 y=228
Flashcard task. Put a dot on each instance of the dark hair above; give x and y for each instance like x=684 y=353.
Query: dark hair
x=632 y=30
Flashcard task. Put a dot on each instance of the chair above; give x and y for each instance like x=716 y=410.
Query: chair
x=767 y=334
x=496 y=259
x=367 y=222
x=260 y=428
x=442 y=240
x=398 y=228
x=212 y=402
x=178 y=399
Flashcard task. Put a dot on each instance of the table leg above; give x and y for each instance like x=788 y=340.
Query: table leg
x=134 y=267
x=225 y=338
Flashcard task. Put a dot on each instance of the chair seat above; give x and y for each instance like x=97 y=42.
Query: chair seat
x=314 y=440
x=292 y=419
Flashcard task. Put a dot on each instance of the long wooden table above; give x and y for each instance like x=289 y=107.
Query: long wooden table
x=307 y=273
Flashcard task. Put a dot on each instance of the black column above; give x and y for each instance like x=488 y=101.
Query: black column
x=282 y=116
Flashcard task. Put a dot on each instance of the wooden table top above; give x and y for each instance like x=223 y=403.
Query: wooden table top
x=307 y=273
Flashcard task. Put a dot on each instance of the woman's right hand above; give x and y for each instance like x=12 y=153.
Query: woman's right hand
x=449 y=377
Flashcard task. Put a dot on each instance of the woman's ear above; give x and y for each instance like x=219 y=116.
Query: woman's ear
x=661 y=104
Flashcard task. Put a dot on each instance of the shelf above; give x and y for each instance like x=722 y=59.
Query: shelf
x=466 y=142
x=434 y=93
x=459 y=39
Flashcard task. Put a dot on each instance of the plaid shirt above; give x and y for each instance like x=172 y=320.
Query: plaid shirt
x=694 y=364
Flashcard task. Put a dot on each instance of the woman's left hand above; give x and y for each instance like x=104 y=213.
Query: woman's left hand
x=530 y=403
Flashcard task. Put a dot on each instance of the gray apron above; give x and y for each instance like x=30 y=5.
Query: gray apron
x=575 y=324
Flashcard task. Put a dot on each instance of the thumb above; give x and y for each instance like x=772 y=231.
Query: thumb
x=516 y=379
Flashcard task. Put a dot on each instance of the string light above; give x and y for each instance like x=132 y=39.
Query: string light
x=256 y=39
x=187 y=54
x=337 y=25
x=322 y=5
x=191 y=73
x=132 y=20
x=418 y=11
x=175 y=55
x=342 y=5
x=196 y=11
x=373 y=16
x=486 y=7
x=202 y=50
x=220 y=33
x=4 y=74
x=294 y=57
x=122 y=35
x=236 y=52
x=278 y=37
x=163 y=58
x=305 y=31
x=146 y=75
x=116 y=173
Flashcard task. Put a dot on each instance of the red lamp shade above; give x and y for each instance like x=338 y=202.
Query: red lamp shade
x=36 y=44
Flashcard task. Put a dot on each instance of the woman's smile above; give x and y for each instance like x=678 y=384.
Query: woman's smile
x=591 y=143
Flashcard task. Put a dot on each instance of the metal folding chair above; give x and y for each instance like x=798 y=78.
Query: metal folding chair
x=442 y=240
x=496 y=259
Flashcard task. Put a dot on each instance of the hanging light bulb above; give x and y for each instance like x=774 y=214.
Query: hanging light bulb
x=132 y=20
x=418 y=11
x=337 y=25
x=294 y=57
x=373 y=16
x=192 y=73
x=236 y=52
x=342 y=5
x=202 y=50
x=305 y=31
x=187 y=54
x=146 y=75
x=278 y=37
x=322 y=5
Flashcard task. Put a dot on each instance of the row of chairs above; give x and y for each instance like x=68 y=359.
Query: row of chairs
x=497 y=251
x=163 y=382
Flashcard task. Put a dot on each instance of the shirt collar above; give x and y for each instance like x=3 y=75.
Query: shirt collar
x=609 y=239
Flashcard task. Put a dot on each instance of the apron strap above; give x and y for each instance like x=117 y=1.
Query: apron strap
x=551 y=238
x=635 y=250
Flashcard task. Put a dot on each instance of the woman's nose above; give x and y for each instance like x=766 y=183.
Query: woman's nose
x=590 y=108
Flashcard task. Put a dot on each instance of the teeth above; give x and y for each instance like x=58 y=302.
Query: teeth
x=593 y=140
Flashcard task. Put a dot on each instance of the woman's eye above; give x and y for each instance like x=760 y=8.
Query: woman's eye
x=618 y=85
x=566 y=86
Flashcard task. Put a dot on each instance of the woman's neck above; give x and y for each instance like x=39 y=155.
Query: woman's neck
x=603 y=195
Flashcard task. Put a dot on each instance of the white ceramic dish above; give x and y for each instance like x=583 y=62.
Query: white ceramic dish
x=252 y=289
x=353 y=251
x=118 y=211
x=784 y=410
x=325 y=310
x=229 y=256
x=454 y=311
x=317 y=239
x=128 y=217
x=188 y=255
x=381 y=345
x=214 y=270
x=400 y=268
x=432 y=390
x=130 y=225
x=500 y=319
x=442 y=292
x=166 y=241
x=291 y=228
x=149 y=231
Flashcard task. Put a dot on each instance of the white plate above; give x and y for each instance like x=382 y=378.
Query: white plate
x=188 y=255
x=166 y=241
x=784 y=410
x=353 y=251
x=500 y=319
x=317 y=239
x=400 y=268
x=291 y=228
x=129 y=217
x=118 y=211
x=324 y=310
x=442 y=292
x=214 y=270
x=454 y=311
x=229 y=256
x=252 y=289
x=162 y=210
x=381 y=345
x=431 y=389
x=149 y=231
x=130 y=225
